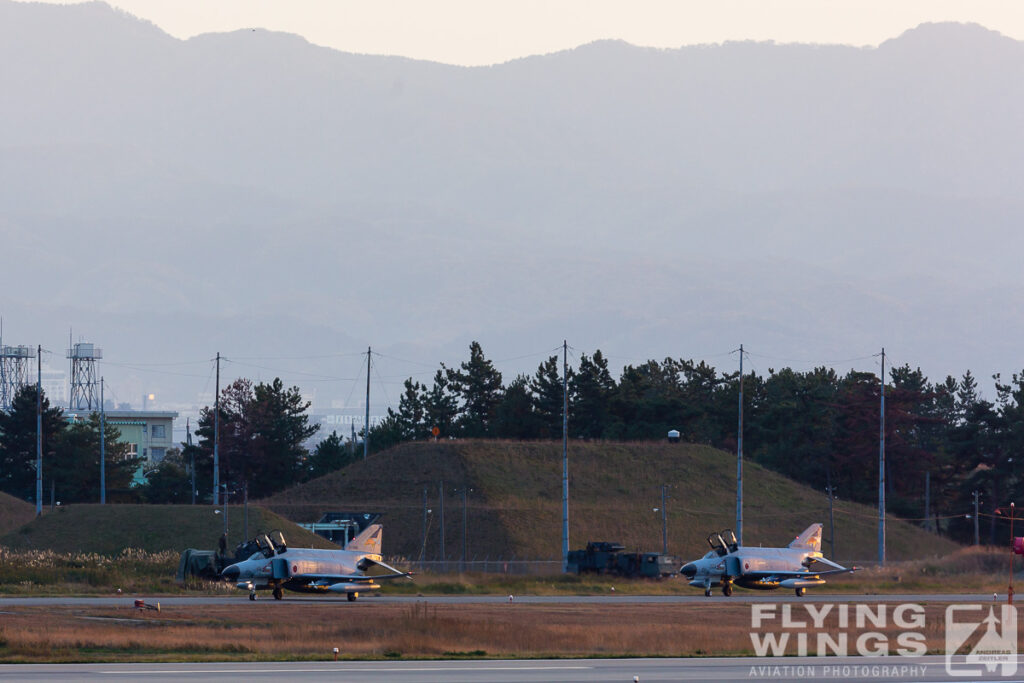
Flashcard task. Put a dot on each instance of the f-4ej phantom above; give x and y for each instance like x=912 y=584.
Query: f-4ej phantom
x=307 y=570
x=799 y=566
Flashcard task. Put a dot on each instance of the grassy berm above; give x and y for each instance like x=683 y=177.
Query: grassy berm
x=109 y=529
x=14 y=513
x=514 y=507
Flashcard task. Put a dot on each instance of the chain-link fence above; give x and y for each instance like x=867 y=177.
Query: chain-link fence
x=489 y=566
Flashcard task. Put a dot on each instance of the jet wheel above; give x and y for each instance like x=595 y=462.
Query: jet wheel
x=252 y=596
x=352 y=597
x=278 y=593
x=707 y=592
x=800 y=592
x=727 y=590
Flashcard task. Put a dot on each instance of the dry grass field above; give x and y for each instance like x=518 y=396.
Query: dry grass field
x=267 y=630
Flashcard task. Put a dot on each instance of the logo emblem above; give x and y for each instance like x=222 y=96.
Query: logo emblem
x=977 y=638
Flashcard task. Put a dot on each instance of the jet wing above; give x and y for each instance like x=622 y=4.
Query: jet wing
x=367 y=563
x=395 y=573
x=800 y=574
x=830 y=563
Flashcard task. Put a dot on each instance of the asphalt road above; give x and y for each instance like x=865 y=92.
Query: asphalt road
x=739 y=597
x=847 y=669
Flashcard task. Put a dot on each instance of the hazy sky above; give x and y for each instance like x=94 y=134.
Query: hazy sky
x=473 y=32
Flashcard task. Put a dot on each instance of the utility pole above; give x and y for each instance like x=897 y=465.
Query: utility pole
x=739 y=461
x=216 y=440
x=191 y=458
x=881 y=469
x=423 y=547
x=39 y=431
x=103 y=448
x=927 y=500
x=831 y=518
x=977 y=539
x=565 y=456
x=245 y=489
x=465 y=528
x=441 y=494
x=366 y=427
x=664 y=523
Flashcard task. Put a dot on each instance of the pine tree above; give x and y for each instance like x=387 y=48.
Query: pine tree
x=515 y=417
x=411 y=413
x=548 y=398
x=18 y=441
x=73 y=470
x=592 y=389
x=330 y=455
x=478 y=385
x=440 y=406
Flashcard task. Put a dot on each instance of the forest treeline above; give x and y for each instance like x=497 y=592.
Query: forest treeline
x=818 y=427
x=943 y=441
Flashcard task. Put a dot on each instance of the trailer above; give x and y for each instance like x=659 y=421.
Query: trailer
x=606 y=557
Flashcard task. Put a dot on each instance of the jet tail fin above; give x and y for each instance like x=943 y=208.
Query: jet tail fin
x=810 y=539
x=368 y=541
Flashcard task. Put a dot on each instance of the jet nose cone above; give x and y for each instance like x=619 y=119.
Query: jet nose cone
x=689 y=570
x=231 y=573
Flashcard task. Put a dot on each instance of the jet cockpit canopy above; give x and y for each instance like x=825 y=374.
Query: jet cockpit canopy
x=717 y=544
x=730 y=540
x=265 y=545
x=277 y=539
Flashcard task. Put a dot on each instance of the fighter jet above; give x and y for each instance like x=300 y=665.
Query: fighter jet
x=799 y=566
x=307 y=570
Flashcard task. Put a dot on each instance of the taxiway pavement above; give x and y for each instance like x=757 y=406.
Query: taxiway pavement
x=747 y=669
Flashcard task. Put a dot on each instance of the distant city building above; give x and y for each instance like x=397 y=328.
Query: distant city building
x=55 y=385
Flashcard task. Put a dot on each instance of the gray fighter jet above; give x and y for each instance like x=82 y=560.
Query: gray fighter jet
x=306 y=570
x=799 y=566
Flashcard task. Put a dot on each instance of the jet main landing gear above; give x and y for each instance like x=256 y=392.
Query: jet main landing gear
x=800 y=592
x=278 y=592
x=727 y=589
x=352 y=596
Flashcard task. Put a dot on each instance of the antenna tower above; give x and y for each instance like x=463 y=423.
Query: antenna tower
x=84 y=381
x=14 y=372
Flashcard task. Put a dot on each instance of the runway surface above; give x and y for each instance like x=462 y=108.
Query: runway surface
x=848 y=669
x=738 y=597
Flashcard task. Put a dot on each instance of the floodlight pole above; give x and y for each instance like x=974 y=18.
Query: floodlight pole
x=465 y=527
x=664 y=523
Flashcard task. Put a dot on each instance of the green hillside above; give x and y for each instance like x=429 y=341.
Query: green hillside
x=108 y=529
x=514 y=502
x=14 y=513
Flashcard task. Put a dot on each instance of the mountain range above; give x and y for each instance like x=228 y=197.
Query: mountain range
x=257 y=195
